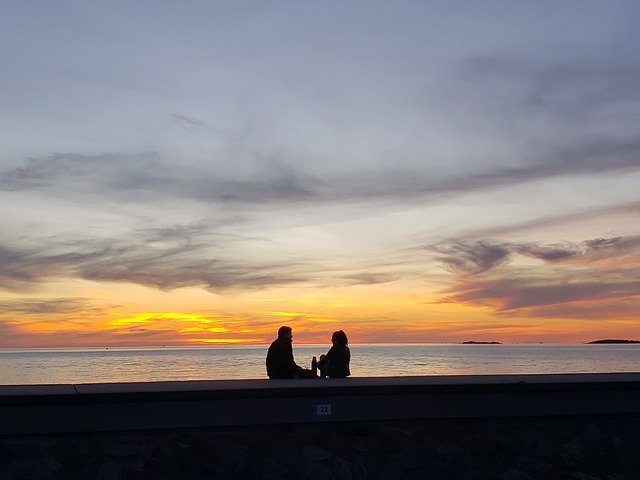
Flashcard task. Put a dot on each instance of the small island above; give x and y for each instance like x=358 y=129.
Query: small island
x=472 y=342
x=610 y=340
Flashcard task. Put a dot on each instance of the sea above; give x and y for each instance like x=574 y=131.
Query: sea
x=150 y=364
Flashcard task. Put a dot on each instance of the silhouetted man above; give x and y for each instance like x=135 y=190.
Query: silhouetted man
x=280 y=362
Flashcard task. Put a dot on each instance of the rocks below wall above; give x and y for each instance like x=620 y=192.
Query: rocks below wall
x=559 y=448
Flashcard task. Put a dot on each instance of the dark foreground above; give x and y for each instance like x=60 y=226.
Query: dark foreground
x=504 y=427
x=568 y=447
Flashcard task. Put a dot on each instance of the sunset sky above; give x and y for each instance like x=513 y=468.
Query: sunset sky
x=204 y=172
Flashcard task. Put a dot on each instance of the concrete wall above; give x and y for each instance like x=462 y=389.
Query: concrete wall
x=36 y=409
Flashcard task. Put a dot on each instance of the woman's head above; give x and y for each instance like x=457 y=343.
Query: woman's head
x=339 y=338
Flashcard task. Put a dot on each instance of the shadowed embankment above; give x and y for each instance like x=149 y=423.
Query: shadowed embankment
x=509 y=427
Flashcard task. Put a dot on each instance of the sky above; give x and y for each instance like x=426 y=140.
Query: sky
x=200 y=173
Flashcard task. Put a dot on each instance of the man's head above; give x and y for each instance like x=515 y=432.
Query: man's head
x=285 y=332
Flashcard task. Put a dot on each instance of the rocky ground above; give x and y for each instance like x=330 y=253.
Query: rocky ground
x=556 y=448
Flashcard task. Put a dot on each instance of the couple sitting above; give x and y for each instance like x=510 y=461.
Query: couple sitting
x=280 y=362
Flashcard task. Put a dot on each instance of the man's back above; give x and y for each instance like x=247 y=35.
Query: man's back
x=280 y=363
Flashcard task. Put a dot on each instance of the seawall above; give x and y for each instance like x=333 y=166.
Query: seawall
x=514 y=427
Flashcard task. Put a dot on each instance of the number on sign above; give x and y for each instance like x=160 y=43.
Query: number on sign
x=323 y=409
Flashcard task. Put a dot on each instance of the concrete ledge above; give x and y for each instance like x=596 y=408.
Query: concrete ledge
x=34 y=409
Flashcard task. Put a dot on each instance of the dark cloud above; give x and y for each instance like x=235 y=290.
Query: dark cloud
x=592 y=157
x=116 y=171
x=595 y=156
x=162 y=258
x=549 y=253
x=559 y=287
x=372 y=278
x=477 y=256
x=470 y=258
x=188 y=123
x=17 y=272
x=528 y=295
x=46 y=306
x=612 y=245
x=143 y=177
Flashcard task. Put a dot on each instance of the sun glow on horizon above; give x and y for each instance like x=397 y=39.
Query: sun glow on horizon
x=403 y=314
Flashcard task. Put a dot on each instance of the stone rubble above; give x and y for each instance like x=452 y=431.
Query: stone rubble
x=558 y=448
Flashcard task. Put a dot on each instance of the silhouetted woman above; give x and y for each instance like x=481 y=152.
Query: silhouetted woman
x=335 y=364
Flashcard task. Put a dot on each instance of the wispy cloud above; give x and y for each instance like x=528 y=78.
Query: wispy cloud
x=188 y=123
x=165 y=258
x=562 y=87
x=524 y=294
x=470 y=258
x=478 y=256
x=144 y=176
x=108 y=170
x=369 y=278
x=572 y=279
x=557 y=220
x=54 y=306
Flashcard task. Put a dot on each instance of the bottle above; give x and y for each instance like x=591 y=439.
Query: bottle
x=314 y=366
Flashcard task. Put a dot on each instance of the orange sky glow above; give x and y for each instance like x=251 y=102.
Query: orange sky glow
x=368 y=315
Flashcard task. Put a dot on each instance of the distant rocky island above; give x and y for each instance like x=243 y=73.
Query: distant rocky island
x=471 y=342
x=610 y=340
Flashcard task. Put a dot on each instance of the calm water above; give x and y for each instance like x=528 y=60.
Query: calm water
x=37 y=366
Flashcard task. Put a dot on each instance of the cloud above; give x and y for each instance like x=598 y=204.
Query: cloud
x=17 y=271
x=588 y=251
x=470 y=258
x=592 y=214
x=592 y=157
x=270 y=179
x=604 y=246
x=186 y=122
x=165 y=258
x=108 y=170
x=550 y=253
x=596 y=275
x=575 y=90
x=53 y=306
x=516 y=293
x=371 y=278
x=144 y=177
x=616 y=308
